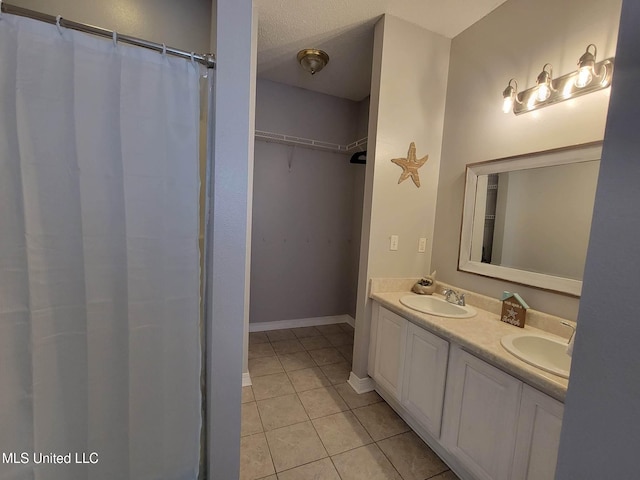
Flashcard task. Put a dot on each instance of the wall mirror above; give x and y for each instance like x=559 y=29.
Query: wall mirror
x=527 y=219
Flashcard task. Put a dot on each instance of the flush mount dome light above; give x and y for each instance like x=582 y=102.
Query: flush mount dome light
x=313 y=60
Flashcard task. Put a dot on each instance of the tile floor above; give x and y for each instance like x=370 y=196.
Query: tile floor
x=302 y=421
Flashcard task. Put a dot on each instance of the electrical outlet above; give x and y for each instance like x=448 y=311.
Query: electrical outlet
x=422 y=245
x=393 y=243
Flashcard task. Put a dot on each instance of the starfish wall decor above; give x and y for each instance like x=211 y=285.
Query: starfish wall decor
x=410 y=165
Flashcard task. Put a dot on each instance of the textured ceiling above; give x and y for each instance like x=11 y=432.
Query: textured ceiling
x=344 y=29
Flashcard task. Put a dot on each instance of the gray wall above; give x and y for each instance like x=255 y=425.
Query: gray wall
x=508 y=43
x=184 y=24
x=229 y=249
x=601 y=432
x=307 y=207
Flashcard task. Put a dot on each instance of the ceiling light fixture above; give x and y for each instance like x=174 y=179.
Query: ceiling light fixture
x=313 y=60
x=548 y=90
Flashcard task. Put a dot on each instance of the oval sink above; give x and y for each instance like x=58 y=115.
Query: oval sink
x=546 y=353
x=437 y=306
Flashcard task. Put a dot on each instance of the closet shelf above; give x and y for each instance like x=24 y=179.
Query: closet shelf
x=310 y=143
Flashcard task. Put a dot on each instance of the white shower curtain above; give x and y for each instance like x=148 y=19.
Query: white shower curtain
x=99 y=261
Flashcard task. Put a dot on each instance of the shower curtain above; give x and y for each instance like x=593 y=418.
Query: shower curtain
x=99 y=261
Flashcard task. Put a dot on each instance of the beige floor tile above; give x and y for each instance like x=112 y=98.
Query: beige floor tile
x=355 y=400
x=294 y=445
x=320 y=470
x=321 y=402
x=270 y=477
x=448 y=475
x=287 y=346
x=259 y=350
x=247 y=395
x=326 y=356
x=329 y=329
x=271 y=386
x=277 y=335
x=365 y=463
x=255 y=459
x=296 y=361
x=337 y=339
x=337 y=373
x=314 y=343
x=341 y=432
x=281 y=411
x=303 y=332
x=264 y=366
x=250 y=420
x=308 y=379
x=258 y=337
x=346 y=351
x=412 y=457
x=380 y=421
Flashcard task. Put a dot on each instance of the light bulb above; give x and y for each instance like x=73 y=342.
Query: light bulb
x=584 y=77
x=509 y=96
x=507 y=105
x=543 y=92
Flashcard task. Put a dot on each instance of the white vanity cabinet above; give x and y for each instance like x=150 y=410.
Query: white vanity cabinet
x=425 y=372
x=389 y=338
x=485 y=423
x=538 y=437
x=480 y=415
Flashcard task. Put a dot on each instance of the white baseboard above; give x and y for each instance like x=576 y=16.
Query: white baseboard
x=361 y=385
x=246 y=380
x=300 y=322
x=351 y=321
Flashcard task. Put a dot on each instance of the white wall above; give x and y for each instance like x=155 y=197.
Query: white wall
x=307 y=208
x=407 y=105
x=515 y=40
x=185 y=24
x=600 y=433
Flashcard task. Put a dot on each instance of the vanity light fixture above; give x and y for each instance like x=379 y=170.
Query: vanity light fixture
x=543 y=83
x=510 y=96
x=587 y=66
x=590 y=76
x=313 y=60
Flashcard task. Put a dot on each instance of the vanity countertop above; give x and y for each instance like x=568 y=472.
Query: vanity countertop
x=480 y=335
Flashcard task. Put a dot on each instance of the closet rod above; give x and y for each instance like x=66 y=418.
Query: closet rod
x=208 y=60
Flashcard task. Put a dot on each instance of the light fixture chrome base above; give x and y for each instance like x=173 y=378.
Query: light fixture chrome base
x=312 y=59
x=564 y=88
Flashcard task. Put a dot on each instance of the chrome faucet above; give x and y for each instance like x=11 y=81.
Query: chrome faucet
x=458 y=298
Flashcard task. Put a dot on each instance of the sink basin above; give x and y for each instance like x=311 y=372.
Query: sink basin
x=544 y=352
x=436 y=306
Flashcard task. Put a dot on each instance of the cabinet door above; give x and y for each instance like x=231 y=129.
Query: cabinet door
x=538 y=436
x=391 y=332
x=425 y=370
x=480 y=415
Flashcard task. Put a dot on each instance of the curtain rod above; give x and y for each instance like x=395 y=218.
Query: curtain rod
x=208 y=60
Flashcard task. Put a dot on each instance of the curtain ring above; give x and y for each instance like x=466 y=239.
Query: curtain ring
x=58 y=18
x=193 y=57
x=164 y=50
x=115 y=38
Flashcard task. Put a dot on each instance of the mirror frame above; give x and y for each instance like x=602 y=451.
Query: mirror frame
x=560 y=156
